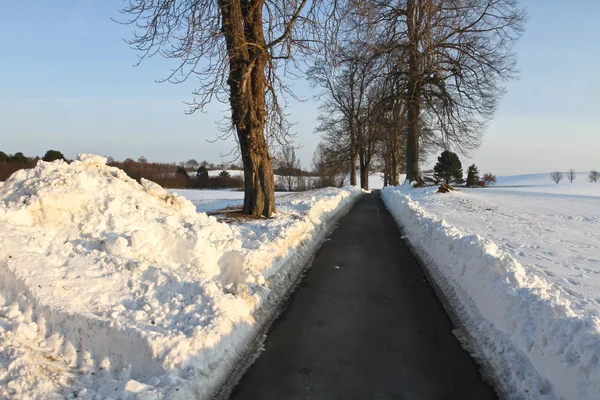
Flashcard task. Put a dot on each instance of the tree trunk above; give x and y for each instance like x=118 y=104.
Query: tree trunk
x=352 y=155
x=242 y=25
x=413 y=101
x=364 y=181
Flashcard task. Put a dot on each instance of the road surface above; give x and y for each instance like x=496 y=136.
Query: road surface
x=364 y=324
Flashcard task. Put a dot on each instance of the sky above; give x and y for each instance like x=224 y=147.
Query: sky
x=68 y=82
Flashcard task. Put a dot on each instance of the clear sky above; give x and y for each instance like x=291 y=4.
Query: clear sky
x=67 y=82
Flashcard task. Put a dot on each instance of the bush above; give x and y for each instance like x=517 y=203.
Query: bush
x=489 y=179
x=594 y=175
x=224 y=174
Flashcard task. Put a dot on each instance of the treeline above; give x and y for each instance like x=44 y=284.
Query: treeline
x=168 y=175
x=9 y=164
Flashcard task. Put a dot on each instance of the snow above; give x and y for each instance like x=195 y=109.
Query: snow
x=542 y=183
x=209 y=201
x=112 y=289
x=520 y=267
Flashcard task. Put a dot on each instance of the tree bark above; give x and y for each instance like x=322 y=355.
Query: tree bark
x=364 y=181
x=413 y=101
x=244 y=36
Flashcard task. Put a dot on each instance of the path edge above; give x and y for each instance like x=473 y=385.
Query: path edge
x=293 y=270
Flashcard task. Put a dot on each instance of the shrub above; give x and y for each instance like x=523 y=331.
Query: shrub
x=594 y=175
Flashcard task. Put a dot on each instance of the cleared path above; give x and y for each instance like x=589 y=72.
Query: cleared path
x=364 y=324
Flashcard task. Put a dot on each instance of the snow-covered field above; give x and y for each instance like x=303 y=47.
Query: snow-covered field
x=112 y=289
x=520 y=266
x=209 y=201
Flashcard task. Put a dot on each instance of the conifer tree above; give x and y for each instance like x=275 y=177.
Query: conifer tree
x=472 y=175
x=449 y=168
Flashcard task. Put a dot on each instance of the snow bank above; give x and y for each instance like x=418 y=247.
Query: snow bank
x=112 y=289
x=537 y=343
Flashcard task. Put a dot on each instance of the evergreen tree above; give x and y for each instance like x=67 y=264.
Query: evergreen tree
x=19 y=158
x=52 y=155
x=224 y=174
x=472 y=175
x=182 y=171
x=449 y=168
x=4 y=157
x=202 y=172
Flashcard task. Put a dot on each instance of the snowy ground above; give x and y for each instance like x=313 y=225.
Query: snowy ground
x=209 y=201
x=521 y=267
x=111 y=289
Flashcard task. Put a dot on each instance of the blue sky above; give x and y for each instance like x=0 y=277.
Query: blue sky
x=67 y=82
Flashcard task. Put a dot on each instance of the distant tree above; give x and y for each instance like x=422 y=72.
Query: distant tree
x=288 y=167
x=489 y=179
x=19 y=158
x=449 y=167
x=143 y=160
x=204 y=164
x=594 y=175
x=52 y=155
x=330 y=166
x=4 y=157
x=181 y=171
x=110 y=160
x=556 y=176
x=224 y=174
x=472 y=175
x=571 y=175
x=191 y=163
x=202 y=172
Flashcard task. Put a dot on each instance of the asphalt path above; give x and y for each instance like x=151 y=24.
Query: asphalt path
x=364 y=324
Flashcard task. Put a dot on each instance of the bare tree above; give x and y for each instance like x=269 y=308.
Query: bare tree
x=191 y=163
x=489 y=179
x=556 y=176
x=454 y=56
x=330 y=165
x=594 y=175
x=288 y=167
x=571 y=175
x=236 y=48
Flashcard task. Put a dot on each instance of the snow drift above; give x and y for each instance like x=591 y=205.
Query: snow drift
x=537 y=344
x=116 y=289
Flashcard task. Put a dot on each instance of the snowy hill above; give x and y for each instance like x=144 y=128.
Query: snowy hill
x=542 y=183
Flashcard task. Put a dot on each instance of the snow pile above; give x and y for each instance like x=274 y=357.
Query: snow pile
x=536 y=335
x=112 y=289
